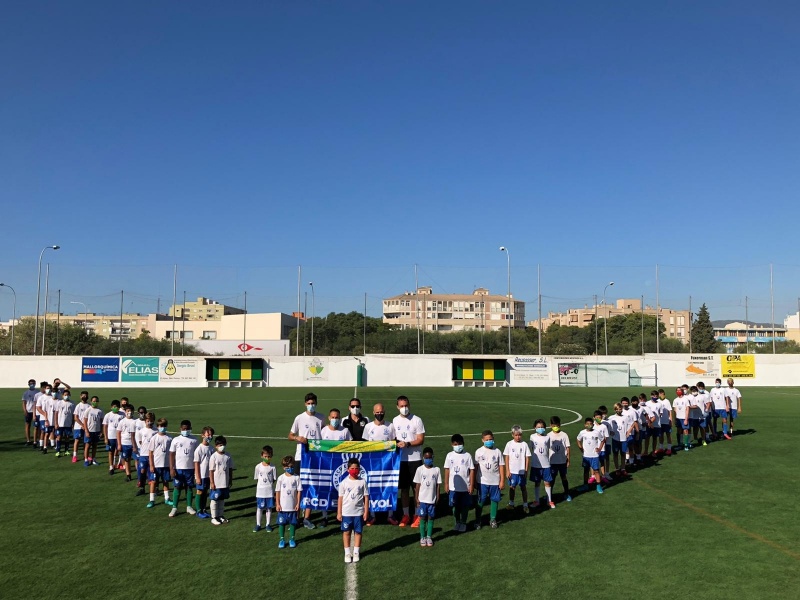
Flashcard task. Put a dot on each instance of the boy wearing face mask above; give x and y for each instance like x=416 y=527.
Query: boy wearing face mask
x=518 y=462
x=159 y=463
x=266 y=475
x=64 y=414
x=378 y=430
x=680 y=406
x=220 y=475
x=426 y=493
x=718 y=408
x=559 y=454
x=126 y=429
x=306 y=426
x=459 y=481
x=590 y=442
x=631 y=427
x=202 y=454
x=142 y=438
x=44 y=406
x=288 y=496
x=540 y=462
x=491 y=475
x=355 y=422
x=665 y=442
x=352 y=509
x=181 y=467
x=619 y=441
x=110 y=422
x=78 y=424
x=93 y=419
x=335 y=432
x=695 y=411
x=28 y=406
x=706 y=409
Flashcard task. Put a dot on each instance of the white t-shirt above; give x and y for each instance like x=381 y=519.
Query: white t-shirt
x=705 y=398
x=29 y=398
x=288 y=486
x=40 y=404
x=655 y=408
x=459 y=466
x=266 y=475
x=159 y=446
x=516 y=453
x=126 y=429
x=139 y=424
x=65 y=411
x=642 y=417
x=379 y=433
x=183 y=448
x=202 y=454
x=143 y=437
x=488 y=461
x=666 y=409
x=111 y=420
x=340 y=434
x=559 y=442
x=602 y=432
x=697 y=402
x=49 y=408
x=540 y=451
x=680 y=405
x=428 y=480
x=353 y=494
x=407 y=429
x=94 y=420
x=221 y=465
x=307 y=426
x=630 y=416
x=79 y=413
x=733 y=395
x=591 y=442
x=718 y=398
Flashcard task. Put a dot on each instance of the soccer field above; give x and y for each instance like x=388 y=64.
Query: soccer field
x=715 y=522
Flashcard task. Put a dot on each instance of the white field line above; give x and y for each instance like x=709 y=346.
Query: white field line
x=351 y=581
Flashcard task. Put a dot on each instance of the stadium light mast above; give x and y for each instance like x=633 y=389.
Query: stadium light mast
x=511 y=311
x=38 y=292
x=13 y=316
x=311 y=283
x=85 y=312
x=605 y=320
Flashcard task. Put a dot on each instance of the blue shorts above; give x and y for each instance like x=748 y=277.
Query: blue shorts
x=559 y=469
x=426 y=511
x=77 y=434
x=45 y=428
x=655 y=432
x=29 y=417
x=602 y=454
x=459 y=499
x=617 y=447
x=541 y=474
x=355 y=524
x=644 y=434
x=630 y=439
x=666 y=428
x=91 y=437
x=127 y=452
x=286 y=517
x=265 y=503
x=219 y=494
x=703 y=421
x=64 y=432
x=592 y=463
x=111 y=446
x=518 y=479
x=489 y=492
x=721 y=413
x=734 y=413
x=184 y=478
x=205 y=483
x=160 y=474
x=694 y=422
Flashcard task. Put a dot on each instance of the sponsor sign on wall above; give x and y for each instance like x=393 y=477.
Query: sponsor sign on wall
x=315 y=369
x=739 y=365
x=99 y=368
x=177 y=369
x=139 y=369
x=530 y=368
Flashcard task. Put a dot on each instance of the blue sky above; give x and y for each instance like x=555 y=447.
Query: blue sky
x=360 y=138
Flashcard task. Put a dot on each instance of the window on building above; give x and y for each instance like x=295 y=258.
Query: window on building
x=188 y=335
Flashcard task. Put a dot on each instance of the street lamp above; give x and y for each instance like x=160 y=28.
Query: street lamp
x=511 y=311
x=311 y=283
x=605 y=320
x=38 y=290
x=14 y=317
x=85 y=312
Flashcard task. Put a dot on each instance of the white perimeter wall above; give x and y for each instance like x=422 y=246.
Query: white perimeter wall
x=431 y=370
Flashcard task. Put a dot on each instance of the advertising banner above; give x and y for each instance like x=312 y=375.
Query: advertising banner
x=315 y=369
x=704 y=366
x=140 y=369
x=739 y=365
x=177 y=369
x=100 y=368
x=531 y=368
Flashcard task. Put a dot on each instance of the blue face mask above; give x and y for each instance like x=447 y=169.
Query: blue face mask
x=289 y=470
x=186 y=432
x=540 y=430
x=33 y=387
x=311 y=408
x=162 y=430
x=428 y=462
x=334 y=422
x=459 y=448
x=489 y=443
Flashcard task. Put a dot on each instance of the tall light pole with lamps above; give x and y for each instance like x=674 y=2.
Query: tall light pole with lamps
x=13 y=317
x=605 y=320
x=510 y=309
x=38 y=292
x=311 y=283
x=85 y=312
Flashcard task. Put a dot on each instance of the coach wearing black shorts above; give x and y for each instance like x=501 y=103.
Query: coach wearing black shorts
x=410 y=432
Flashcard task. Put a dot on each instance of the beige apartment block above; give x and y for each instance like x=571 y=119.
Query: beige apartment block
x=259 y=326
x=204 y=309
x=125 y=326
x=756 y=335
x=676 y=322
x=479 y=311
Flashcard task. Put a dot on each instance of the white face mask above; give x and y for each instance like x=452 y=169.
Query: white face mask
x=221 y=449
x=404 y=411
x=355 y=410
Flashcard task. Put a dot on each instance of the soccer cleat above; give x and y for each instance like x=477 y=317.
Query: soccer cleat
x=393 y=521
x=624 y=473
x=535 y=504
x=268 y=529
x=356 y=557
x=493 y=523
x=599 y=489
x=457 y=527
x=669 y=452
x=44 y=450
x=348 y=558
x=324 y=522
x=256 y=529
x=111 y=471
x=58 y=454
x=173 y=512
x=74 y=459
x=429 y=541
x=216 y=522
x=190 y=510
x=416 y=522
x=282 y=543
x=552 y=504
x=308 y=524
x=168 y=502
x=705 y=443
x=525 y=509
x=127 y=478
x=150 y=504
x=139 y=492
x=86 y=463
x=223 y=520
x=203 y=515
x=95 y=463
x=569 y=498
x=423 y=542
x=463 y=528
x=406 y=520
x=510 y=506
x=292 y=543
x=591 y=480
x=477 y=526
x=726 y=436
x=370 y=521
x=686 y=448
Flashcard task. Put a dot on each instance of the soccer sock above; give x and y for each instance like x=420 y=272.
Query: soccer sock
x=166 y=493
x=465 y=514
x=269 y=516
x=456 y=512
x=493 y=510
x=536 y=493
x=189 y=497
x=258 y=517
x=549 y=491
x=422 y=526
x=152 y=497
x=221 y=509
x=176 y=495
x=725 y=429
x=405 y=511
x=282 y=530
x=429 y=528
x=214 y=509
x=347 y=551
x=291 y=531
x=324 y=514
x=478 y=512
